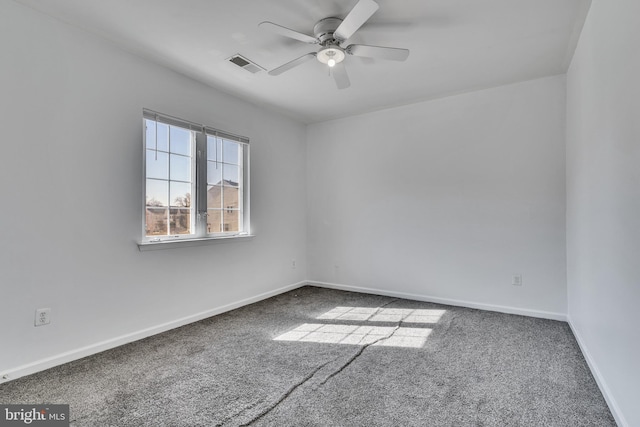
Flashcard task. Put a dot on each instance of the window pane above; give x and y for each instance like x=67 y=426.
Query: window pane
x=180 y=221
x=157 y=193
x=231 y=152
x=214 y=197
x=157 y=164
x=163 y=135
x=150 y=133
x=231 y=174
x=214 y=148
x=156 y=221
x=180 y=141
x=214 y=221
x=214 y=173
x=230 y=220
x=180 y=194
x=230 y=197
x=180 y=168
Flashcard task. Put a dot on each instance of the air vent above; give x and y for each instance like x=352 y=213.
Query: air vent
x=243 y=62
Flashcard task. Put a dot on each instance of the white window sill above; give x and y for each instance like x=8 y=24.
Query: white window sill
x=185 y=243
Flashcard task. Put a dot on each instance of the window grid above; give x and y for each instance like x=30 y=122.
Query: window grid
x=174 y=222
x=228 y=216
x=222 y=215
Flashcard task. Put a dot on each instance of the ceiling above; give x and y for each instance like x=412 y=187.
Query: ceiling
x=456 y=46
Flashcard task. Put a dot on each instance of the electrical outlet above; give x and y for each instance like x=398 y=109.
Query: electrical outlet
x=43 y=316
x=517 y=280
x=293 y=264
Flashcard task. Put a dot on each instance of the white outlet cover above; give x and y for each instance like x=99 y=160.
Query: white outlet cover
x=43 y=316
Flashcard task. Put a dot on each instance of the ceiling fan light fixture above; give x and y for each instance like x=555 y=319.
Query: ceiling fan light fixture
x=331 y=55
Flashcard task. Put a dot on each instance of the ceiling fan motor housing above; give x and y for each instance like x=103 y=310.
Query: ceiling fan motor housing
x=325 y=28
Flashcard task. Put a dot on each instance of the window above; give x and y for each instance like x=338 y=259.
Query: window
x=195 y=181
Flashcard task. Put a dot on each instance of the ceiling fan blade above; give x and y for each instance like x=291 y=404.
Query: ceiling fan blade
x=392 y=53
x=340 y=76
x=289 y=65
x=287 y=32
x=361 y=12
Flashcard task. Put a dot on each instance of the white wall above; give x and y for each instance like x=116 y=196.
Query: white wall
x=446 y=199
x=71 y=187
x=603 y=200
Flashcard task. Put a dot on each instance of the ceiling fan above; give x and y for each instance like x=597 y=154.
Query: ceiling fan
x=330 y=34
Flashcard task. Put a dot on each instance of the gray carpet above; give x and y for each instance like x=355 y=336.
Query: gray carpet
x=308 y=358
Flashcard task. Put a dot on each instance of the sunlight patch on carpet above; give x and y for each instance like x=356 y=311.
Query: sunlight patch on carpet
x=373 y=314
x=357 y=335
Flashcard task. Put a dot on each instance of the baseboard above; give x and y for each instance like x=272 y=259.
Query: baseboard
x=69 y=356
x=446 y=301
x=604 y=389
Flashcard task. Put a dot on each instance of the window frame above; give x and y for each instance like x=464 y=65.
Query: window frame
x=199 y=163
